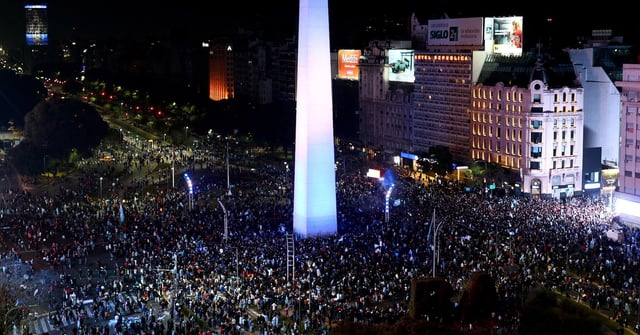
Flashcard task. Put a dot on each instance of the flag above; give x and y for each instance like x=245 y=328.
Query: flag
x=121 y=213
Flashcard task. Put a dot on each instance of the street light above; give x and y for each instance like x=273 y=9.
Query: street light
x=387 y=198
x=189 y=190
x=226 y=227
x=435 y=241
x=100 y=188
x=173 y=169
x=228 y=185
x=175 y=290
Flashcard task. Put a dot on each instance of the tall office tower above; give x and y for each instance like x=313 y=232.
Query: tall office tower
x=314 y=206
x=37 y=25
x=220 y=71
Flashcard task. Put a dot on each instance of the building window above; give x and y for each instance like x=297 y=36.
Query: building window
x=536 y=124
x=536 y=152
x=536 y=137
x=537 y=98
x=534 y=165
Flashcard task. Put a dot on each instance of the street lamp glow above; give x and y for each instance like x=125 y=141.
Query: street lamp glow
x=189 y=190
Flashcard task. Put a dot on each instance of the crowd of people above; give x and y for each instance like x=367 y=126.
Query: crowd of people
x=151 y=239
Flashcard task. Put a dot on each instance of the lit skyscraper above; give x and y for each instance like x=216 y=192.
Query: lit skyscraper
x=37 y=25
x=314 y=207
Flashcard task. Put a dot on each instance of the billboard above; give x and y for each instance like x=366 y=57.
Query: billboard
x=348 y=64
x=402 y=65
x=467 y=31
x=503 y=35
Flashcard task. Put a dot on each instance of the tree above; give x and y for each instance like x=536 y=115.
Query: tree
x=14 y=301
x=53 y=129
x=443 y=160
x=18 y=95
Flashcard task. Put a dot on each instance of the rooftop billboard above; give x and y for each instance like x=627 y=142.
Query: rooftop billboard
x=402 y=65
x=348 y=64
x=503 y=35
x=466 y=31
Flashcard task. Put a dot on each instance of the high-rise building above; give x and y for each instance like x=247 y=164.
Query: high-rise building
x=37 y=24
x=314 y=206
x=629 y=179
x=221 y=71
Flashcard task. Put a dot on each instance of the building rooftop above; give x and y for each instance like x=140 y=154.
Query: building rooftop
x=555 y=69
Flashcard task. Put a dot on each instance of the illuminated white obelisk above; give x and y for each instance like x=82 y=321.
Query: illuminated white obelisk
x=314 y=193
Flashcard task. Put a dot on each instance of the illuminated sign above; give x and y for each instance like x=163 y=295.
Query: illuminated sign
x=467 y=31
x=402 y=65
x=373 y=173
x=348 y=64
x=503 y=35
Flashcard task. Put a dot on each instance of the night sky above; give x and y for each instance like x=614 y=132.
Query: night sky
x=139 y=18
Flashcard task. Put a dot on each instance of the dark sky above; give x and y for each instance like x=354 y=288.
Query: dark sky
x=115 y=18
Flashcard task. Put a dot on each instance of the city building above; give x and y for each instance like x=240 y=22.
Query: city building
x=37 y=25
x=220 y=71
x=386 y=113
x=629 y=179
x=527 y=117
x=37 y=37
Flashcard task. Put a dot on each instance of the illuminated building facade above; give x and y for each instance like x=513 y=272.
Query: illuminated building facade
x=314 y=207
x=221 y=72
x=441 y=100
x=37 y=25
x=534 y=129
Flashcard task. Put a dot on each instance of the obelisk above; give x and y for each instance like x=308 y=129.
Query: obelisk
x=314 y=193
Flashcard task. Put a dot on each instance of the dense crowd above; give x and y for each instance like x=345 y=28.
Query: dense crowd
x=164 y=246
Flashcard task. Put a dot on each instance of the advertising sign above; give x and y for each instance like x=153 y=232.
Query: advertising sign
x=348 y=67
x=503 y=35
x=402 y=65
x=467 y=31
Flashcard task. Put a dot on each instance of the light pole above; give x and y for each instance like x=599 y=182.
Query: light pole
x=189 y=190
x=175 y=290
x=100 y=188
x=387 y=198
x=173 y=169
x=226 y=227
x=435 y=242
x=228 y=185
